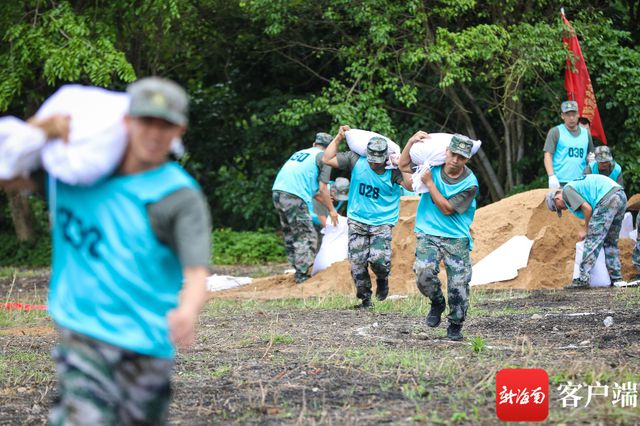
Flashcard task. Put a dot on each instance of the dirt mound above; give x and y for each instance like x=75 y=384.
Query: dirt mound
x=550 y=262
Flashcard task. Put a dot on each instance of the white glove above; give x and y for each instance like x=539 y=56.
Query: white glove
x=554 y=183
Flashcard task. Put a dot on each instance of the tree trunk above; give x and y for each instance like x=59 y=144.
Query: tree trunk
x=22 y=216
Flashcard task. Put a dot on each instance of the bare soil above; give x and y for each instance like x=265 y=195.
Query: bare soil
x=263 y=362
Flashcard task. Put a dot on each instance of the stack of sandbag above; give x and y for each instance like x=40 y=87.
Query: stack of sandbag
x=97 y=138
x=357 y=141
x=432 y=152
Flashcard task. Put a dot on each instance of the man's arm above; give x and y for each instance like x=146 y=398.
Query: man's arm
x=438 y=199
x=587 y=211
x=325 y=198
x=404 y=163
x=184 y=318
x=330 y=153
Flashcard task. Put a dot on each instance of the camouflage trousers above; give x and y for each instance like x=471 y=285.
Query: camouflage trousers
x=604 y=231
x=300 y=238
x=430 y=250
x=101 y=384
x=369 y=245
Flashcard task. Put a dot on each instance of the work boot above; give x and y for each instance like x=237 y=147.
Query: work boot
x=454 y=332
x=382 y=288
x=366 y=304
x=435 y=314
x=301 y=277
x=577 y=284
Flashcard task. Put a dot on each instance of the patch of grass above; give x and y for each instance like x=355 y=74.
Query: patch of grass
x=221 y=371
x=18 y=318
x=278 y=339
x=478 y=344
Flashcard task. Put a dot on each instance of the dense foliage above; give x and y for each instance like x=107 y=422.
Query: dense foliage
x=265 y=76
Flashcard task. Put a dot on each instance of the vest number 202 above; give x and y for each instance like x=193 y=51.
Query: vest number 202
x=369 y=191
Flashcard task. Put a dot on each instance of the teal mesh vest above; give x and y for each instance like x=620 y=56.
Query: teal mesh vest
x=431 y=221
x=112 y=279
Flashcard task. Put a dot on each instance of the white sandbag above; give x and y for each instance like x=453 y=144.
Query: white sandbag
x=429 y=153
x=627 y=225
x=503 y=263
x=334 y=247
x=357 y=141
x=599 y=274
x=20 y=147
x=97 y=138
x=223 y=282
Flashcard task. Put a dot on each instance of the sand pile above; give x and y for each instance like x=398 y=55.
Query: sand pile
x=550 y=262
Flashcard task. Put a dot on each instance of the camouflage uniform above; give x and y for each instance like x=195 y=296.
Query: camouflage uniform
x=430 y=250
x=101 y=384
x=604 y=230
x=369 y=245
x=300 y=238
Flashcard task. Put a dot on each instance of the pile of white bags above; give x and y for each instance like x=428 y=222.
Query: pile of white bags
x=334 y=247
x=429 y=153
x=357 y=141
x=97 y=138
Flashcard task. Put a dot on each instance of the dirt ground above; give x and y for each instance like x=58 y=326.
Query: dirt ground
x=318 y=361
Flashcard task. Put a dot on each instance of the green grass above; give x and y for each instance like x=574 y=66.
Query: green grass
x=277 y=338
x=16 y=318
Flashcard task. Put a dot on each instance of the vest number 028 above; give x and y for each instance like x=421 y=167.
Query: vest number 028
x=369 y=191
x=299 y=156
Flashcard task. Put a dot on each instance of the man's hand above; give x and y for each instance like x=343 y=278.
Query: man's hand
x=334 y=217
x=427 y=177
x=554 y=183
x=182 y=326
x=343 y=129
x=582 y=235
x=55 y=126
x=418 y=137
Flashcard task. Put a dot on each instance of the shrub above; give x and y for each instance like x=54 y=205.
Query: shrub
x=246 y=247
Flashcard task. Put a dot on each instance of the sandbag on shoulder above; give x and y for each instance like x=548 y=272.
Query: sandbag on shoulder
x=429 y=153
x=20 y=148
x=358 y=139
x=97 y=138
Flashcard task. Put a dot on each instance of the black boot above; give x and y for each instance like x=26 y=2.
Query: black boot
x=454 y=332
x=382 y=288
x=435 y=314
x=366 y=304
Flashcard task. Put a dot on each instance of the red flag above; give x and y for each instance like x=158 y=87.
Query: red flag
x=577 y=83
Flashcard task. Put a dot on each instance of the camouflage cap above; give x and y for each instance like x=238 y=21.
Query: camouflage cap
x=377 y=150
x=549 y=198
x=603 y=154
x=160 y=98
x=323 y=139
x=341 y=186
x=567 y=106
x=462 y=145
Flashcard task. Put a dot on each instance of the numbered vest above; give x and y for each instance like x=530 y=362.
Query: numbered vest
x=431 y=221
x=373 y=199
x=570 y=156
x=592 y=188
x=112 y=279
x=615 y=173
x=299 y=175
